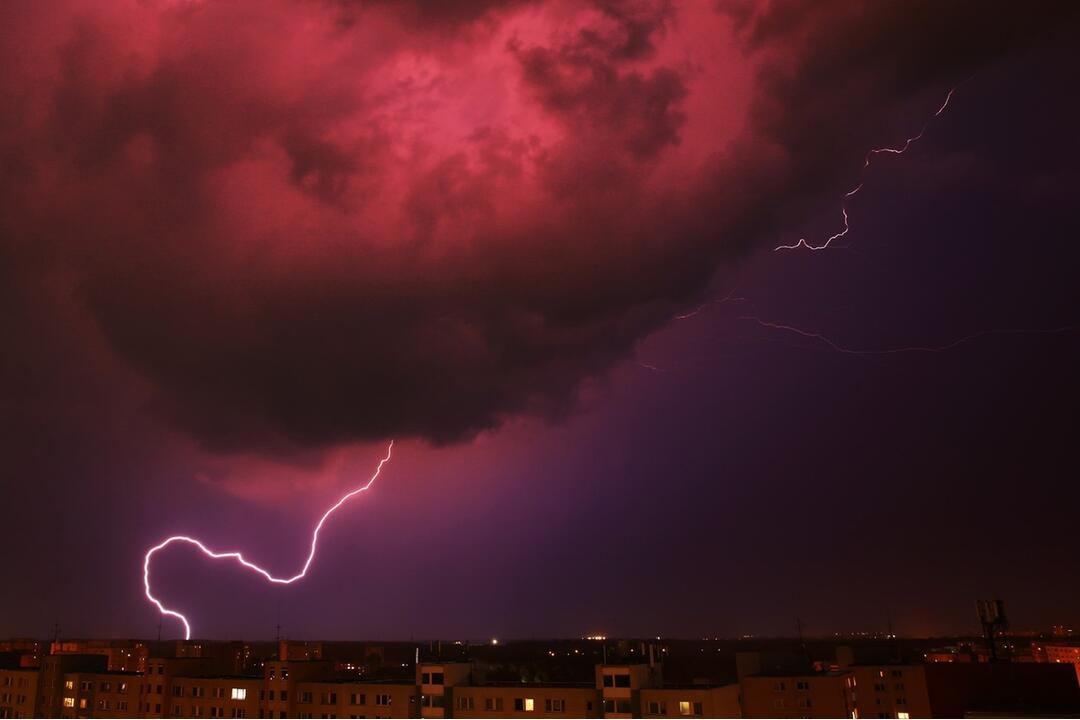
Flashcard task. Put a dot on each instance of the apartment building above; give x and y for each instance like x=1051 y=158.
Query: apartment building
x=783 y=685
x=1064 y=654
x=18 y=692
x=100 y=694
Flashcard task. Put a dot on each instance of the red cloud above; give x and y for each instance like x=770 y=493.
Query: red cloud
x=315 y=222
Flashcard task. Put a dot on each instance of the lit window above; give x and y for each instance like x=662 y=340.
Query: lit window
x=684 y=707
x=69 y=684
x=69 y=702
x=903 y=715
x=239 y=693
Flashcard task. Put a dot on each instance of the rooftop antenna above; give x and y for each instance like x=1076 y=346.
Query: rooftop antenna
x=992 y=618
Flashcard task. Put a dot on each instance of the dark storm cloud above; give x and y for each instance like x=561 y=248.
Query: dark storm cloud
x=303 y=232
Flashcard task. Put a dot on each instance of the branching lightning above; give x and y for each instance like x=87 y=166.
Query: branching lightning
x=833 y=345
x=802 y=243
x=240 y=558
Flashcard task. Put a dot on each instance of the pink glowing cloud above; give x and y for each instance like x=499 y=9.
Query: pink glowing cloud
x=306 y=224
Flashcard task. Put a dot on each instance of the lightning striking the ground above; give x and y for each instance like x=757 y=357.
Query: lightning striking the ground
x=802 y=243
x=234 y=555
x=911 y=348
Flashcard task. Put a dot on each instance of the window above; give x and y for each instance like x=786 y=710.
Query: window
x=466 y=703
x=178 y=690
x=493 y=704
x=617 y=706
x=903 y=715
x=105 y=687
x=804 y=702
x=879 y=687
x=357 y=699
x=198 y=692
x=657 y=707
x=524 y=704
x=69 y=684
x=69 y=702
x=284 y=696
x=383 y=699
x=425 y=678
x=328 y=698
x=305 y=697
x=899 y=686
x=196 y=711
x=802 y=685
x=86 y=686
x=622 y=681
x=218 y=692
x=779 y=686
x=121 y=705
x=898 y=673
x=177 y=711
x=238 y=712
x=778 y=703
x=554 y=705
x=437 y=678
x=239 y=694
x=122 y=688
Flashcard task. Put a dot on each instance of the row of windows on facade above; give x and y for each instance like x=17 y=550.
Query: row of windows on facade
x=686 y=708
x=69 y=702
x=104 y=686
x=551 y=705
x=23 y=682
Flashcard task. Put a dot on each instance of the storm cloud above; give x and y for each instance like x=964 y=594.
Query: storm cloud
x=312 y=223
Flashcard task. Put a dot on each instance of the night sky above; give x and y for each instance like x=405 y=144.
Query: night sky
x=246 y=243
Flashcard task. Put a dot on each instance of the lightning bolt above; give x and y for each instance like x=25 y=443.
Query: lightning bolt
x=911 y=348
x=862 y=174
x=240 y=558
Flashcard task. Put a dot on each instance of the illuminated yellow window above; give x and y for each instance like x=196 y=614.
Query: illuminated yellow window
x=239 y=694
x=903 y=715
x=529 y=704
x=684 y=707
x=69 y=684
x=69 y=702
